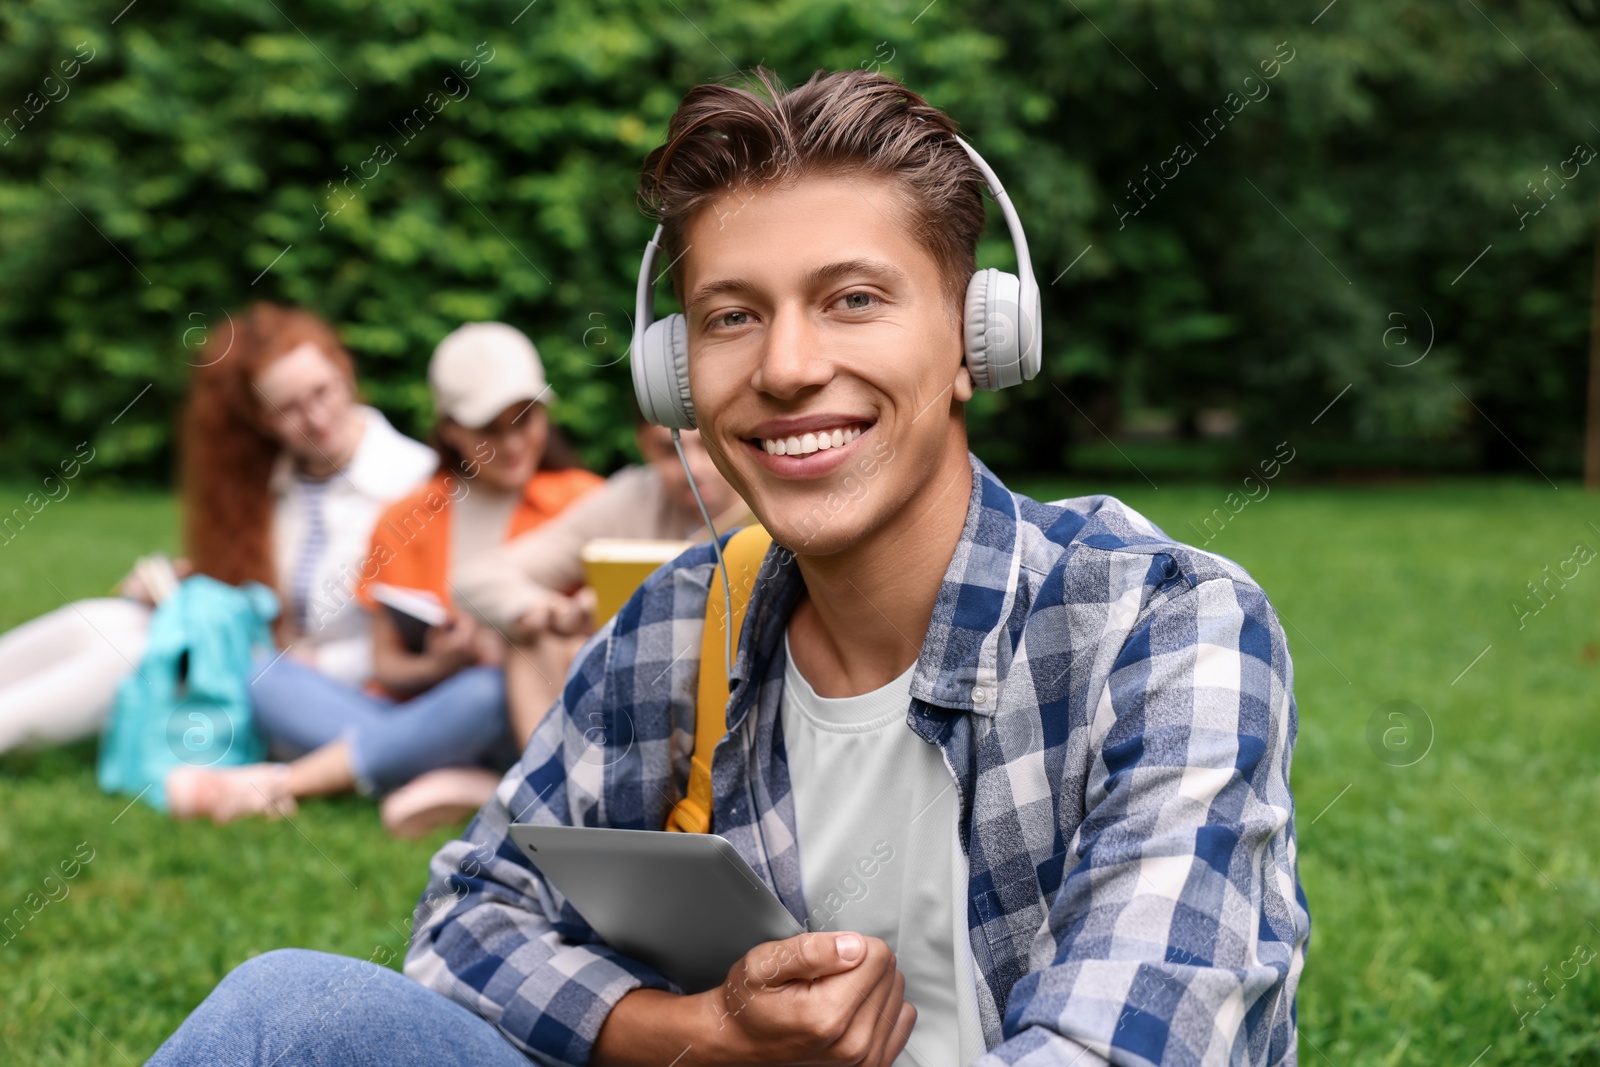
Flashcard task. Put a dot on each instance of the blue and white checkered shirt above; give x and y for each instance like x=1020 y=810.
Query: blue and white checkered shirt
x=1118 y=711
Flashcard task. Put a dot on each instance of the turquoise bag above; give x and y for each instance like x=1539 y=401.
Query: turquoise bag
x=188 y=702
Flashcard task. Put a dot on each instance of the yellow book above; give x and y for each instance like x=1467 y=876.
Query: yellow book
x=614 y=567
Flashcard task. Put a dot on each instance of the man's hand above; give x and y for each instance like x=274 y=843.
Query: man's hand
x=553 y=613
x=815 y=998
x=810 y=999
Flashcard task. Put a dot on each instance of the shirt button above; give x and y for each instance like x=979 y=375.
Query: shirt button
x=979 y=694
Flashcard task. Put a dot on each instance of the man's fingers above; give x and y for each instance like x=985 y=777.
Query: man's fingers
x=537 y=618
x=882 y=1011
x=897 y=1035
x=872 y=1016
x=569 y=618
x=806 y=956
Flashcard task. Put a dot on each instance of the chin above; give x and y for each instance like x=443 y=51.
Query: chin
x=513 y=483
x=820 y=526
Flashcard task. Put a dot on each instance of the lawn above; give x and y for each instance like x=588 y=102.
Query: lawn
x=1446 y=843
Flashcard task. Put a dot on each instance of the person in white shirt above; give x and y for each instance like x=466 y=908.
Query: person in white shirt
x=284 y=476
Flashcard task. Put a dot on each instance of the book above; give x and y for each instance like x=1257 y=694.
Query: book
x=414 y=611
x=615 y=566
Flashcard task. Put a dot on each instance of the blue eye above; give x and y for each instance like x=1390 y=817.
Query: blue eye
x=858 y=301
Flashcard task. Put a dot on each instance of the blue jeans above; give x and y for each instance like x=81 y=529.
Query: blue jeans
x=462 y=721
x=294 y=1007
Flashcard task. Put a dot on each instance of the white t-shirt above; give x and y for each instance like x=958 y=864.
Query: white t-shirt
x=478 y=523
x=386 y=466
x=876 y=811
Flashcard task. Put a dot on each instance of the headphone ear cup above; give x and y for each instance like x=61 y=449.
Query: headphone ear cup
x=992 y=329
x=661 y=374
x=678 y=330
x=1031 y=357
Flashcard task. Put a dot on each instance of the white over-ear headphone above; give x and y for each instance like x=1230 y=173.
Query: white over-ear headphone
x=1000 y=332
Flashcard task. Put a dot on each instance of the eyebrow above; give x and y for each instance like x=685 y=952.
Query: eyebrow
x=828 y=272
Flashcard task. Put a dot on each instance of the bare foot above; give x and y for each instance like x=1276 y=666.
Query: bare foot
x=230 y=793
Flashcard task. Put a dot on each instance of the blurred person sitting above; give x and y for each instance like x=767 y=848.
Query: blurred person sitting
x=283 y=475
x=503 y=470
x=530 y=587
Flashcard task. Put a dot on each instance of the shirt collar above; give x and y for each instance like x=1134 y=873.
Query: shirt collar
x=959 y=665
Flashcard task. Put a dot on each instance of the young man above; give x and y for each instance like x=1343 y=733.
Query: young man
x=1022 y=769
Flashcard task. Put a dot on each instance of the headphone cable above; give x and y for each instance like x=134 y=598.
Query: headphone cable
x=722 y=567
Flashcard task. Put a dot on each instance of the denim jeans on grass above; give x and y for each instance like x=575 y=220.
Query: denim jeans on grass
x=460 y=722
x=297 y=1008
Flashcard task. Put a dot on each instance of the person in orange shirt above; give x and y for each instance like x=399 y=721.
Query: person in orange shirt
x=435 y=714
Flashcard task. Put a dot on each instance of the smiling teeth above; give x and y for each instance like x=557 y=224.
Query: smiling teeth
x=805 y=444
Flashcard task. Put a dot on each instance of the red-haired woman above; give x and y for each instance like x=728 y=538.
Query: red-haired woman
x=435 y=738
x=284 y=476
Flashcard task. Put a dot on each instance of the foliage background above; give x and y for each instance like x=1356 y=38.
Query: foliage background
x=1318 y=242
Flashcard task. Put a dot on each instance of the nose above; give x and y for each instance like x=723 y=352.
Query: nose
x=318 y=419
x=792 y=357
x=515 y=447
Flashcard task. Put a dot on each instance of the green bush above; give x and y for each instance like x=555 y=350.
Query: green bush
x=405 y=165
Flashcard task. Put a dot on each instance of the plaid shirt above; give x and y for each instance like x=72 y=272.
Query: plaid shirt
x=1117 y=710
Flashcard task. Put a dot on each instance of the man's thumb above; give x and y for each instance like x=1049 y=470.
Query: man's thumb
x=812 y=956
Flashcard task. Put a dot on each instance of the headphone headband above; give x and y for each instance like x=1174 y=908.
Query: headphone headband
x=1019 y=242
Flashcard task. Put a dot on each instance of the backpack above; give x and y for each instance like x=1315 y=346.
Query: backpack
x=743 y=556
x=188 y=701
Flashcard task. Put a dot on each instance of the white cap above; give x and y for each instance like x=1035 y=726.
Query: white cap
x=481 y=369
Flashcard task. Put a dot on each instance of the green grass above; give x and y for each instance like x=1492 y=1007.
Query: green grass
x=1437 y=890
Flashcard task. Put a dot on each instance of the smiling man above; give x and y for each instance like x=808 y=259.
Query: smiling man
x=1060 y=740
x=1021 y=769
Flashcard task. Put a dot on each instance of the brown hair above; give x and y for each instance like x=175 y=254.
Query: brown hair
x=852 y=122
x=226 y=453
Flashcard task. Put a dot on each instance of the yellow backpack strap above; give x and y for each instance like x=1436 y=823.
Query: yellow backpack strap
x=743 y=556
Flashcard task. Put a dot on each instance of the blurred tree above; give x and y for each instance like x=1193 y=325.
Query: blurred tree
x=1321 y=185
x=404 y=165
x=399 y=166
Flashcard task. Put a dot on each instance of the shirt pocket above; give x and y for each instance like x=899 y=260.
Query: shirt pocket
x=1011 y=914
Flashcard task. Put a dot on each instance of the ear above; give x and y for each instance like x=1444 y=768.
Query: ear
x=963 y=383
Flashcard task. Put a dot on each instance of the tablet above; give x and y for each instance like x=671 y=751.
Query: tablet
x=686 y=904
